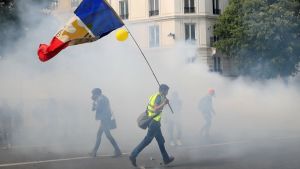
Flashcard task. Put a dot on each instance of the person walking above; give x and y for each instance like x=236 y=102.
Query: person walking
x=206 y=107
x=103 y=113
x=156 y=104
x=173 y=123
x=5 y=125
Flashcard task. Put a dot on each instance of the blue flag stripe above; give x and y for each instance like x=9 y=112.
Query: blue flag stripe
x=98 y=16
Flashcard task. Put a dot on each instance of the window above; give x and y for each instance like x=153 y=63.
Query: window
x=191 y=58
x=153 y=7
x=213 y=39
x=123 y=6
x=54 y=4
x=75 y=3
x=189 y=6
x=217 y=64
x=190 y=35
x=154 y=36
x=216 y=9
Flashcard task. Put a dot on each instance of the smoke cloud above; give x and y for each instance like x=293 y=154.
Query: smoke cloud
x=53 y=98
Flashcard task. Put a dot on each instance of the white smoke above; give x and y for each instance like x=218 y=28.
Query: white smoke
x=54 y=97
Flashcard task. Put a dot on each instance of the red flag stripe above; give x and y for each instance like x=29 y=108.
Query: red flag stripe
x=46 y=52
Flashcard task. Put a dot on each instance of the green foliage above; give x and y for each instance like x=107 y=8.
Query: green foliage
x=8 y=18
x=229 y=28
x=11 y=26
x=8 y=11
x=261 y=36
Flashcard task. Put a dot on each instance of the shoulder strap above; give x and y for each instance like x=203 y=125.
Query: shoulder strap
x=154 y=115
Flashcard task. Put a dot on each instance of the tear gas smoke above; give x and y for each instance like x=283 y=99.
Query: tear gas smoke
x=53 y=98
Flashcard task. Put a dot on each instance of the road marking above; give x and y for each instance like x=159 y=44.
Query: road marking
x=238 y=142
x=213 y=145
x=225 y=143
x=54 y=160
x=189 y=147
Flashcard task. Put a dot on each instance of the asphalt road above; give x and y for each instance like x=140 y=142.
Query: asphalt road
x=271 y=153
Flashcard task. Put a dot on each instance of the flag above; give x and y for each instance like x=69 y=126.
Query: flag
x=93 y=19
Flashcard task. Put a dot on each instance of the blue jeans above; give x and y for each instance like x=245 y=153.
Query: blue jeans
x=153 y=131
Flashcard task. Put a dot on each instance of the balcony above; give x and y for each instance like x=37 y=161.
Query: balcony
x=153 y=13
x=189 y=9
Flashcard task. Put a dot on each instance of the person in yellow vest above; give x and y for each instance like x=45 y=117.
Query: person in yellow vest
x=155 y=106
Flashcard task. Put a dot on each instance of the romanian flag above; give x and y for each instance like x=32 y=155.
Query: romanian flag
x=93 y=19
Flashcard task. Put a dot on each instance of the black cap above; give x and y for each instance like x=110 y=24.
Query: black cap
x=163 y=87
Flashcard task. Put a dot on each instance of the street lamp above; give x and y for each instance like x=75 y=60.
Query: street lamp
x=171 y=35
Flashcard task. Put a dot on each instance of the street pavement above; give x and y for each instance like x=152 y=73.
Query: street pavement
x=267 y=153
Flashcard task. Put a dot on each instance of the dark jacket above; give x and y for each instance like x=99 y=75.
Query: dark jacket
x=103 y=111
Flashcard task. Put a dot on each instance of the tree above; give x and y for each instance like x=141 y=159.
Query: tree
x=11 y=26
x=261 y=36
x=8 y=20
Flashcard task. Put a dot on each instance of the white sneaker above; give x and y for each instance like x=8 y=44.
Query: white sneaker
x=178 y=142
x=172 y=143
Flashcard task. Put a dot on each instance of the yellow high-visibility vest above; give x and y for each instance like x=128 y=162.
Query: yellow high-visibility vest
x=150 y=107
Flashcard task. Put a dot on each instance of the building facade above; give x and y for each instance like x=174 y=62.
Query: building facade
x=164 y=23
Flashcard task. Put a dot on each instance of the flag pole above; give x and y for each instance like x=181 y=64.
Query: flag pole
x=140 y=50
x=146 y=62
